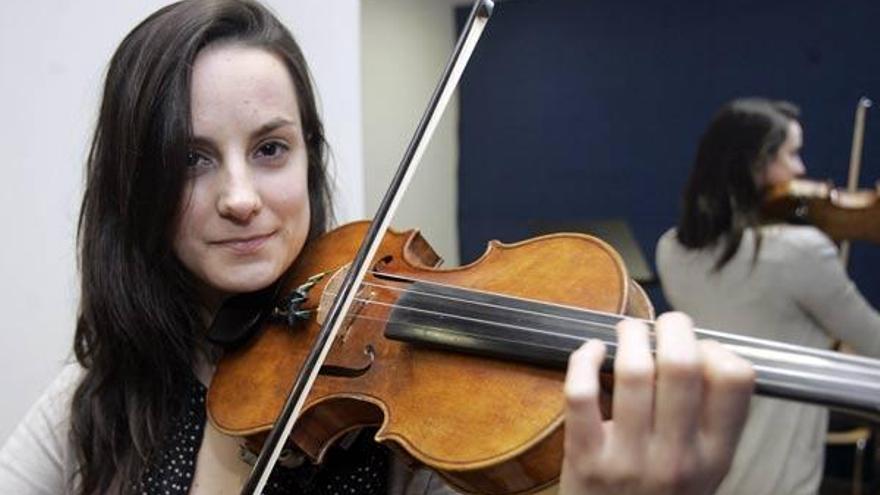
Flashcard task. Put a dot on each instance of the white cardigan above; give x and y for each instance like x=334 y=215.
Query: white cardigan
x=796 y=292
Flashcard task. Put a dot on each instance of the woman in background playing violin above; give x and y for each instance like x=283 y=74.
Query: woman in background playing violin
x=728 y=269
x=205 y=179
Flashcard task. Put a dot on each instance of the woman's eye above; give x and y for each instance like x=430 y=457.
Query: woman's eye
x=195 y=159
x=271 y=149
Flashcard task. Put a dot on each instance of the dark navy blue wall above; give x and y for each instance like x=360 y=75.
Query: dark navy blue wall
x=574 y=110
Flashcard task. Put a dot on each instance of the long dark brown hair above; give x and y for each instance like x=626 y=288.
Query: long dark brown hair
x=722 y=197
x=139 y=325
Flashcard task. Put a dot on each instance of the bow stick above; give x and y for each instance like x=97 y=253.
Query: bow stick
x=277 y=438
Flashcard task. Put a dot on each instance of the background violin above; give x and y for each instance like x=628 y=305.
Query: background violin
x=843 y=215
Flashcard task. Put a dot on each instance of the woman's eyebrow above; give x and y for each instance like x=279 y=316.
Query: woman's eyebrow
x=266 y=128
x=275 y=124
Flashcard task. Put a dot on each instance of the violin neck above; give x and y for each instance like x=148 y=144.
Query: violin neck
x=523 y=330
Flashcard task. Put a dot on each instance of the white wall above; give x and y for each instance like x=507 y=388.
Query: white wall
x=52 y=56
x=406 y=44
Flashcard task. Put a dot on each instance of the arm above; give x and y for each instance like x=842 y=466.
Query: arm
x=675 y=423
x=824 y=290
x=33 y=461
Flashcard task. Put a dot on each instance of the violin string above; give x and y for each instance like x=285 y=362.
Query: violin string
x=740 y=341
x=361 y=316
x=605 y=328
x=857 y=367
x=779 y=370
x=585 y=311
x=530 y=330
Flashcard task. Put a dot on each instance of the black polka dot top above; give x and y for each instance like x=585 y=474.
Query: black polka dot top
x=360 y=467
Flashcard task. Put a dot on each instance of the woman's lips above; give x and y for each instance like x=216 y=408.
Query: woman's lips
x=244 y=245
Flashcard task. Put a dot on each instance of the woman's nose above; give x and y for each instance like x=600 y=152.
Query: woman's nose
x=239 y=198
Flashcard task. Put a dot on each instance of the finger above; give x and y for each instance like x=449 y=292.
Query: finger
x=728 y=385
x=583 y=421
x=679 y=381
x=633 y=386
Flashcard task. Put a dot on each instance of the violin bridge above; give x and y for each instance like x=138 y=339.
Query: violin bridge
x=363 y=296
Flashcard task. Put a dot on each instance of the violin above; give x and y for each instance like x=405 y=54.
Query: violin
x=843 y=215
x=462 y=369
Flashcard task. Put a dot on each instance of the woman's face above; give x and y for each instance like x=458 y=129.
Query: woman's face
x=786 y=164
x=245 y=211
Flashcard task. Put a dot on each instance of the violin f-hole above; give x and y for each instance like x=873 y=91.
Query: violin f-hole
x=380 y=265
x=348 y=372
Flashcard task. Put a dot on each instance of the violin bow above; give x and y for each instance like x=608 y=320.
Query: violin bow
x=855 y=161
x=277 y=438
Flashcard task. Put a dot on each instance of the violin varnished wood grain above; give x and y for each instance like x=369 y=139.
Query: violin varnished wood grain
x=486 y=425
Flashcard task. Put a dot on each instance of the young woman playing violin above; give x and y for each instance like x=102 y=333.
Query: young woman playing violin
x=206 y=178
x=783 y=282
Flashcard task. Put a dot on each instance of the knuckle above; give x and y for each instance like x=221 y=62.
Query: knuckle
x=585 y=355
x=581 y=395
x=580 y=354
x=676 y=320
x=726 y=369
x=584 y=469
x=676 y=472
x=630 y=325
x=717 y=455
x=635 y=374
x=682 y=366
x=619 y=474
x=576 y=448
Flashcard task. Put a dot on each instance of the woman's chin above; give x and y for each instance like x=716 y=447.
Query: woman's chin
x=242 y=281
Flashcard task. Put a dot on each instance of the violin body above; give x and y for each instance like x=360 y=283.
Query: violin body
x=487 y=425
x=842 y=215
